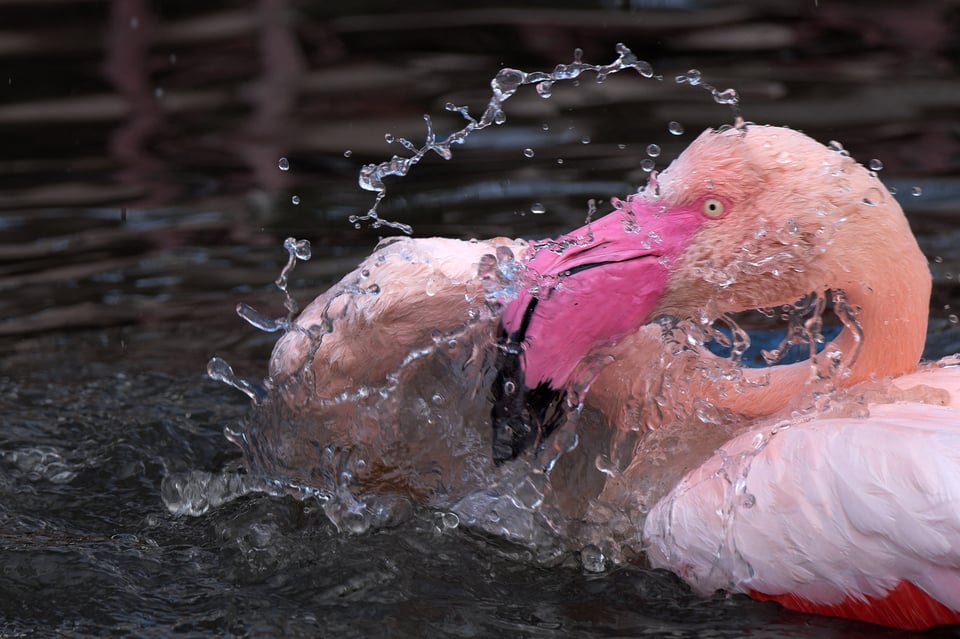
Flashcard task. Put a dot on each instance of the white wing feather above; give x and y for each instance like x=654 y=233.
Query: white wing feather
x=823 y=509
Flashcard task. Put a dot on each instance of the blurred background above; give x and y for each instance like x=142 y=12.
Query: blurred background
x=142 y=196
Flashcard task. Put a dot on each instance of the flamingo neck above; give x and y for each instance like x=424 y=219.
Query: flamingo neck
x=883 y=337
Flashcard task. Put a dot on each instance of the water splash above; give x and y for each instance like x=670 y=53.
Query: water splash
x=728 y=97
x=195 y=492
x=503 y=86
x=218 y=369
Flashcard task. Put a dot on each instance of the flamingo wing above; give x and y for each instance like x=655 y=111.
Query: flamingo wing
x=848 y=516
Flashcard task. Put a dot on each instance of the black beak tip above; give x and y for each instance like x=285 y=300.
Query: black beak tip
x=522 y=417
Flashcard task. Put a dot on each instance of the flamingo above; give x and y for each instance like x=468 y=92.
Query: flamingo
x=831 y=486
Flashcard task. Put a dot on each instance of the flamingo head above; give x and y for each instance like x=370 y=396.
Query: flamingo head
x=744 y=218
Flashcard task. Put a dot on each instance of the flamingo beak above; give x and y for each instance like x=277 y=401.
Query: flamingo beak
x=585 y=290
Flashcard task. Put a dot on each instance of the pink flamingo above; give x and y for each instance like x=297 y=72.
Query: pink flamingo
x=831 y=486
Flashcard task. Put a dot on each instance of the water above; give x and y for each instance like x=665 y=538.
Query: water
x=143 y=200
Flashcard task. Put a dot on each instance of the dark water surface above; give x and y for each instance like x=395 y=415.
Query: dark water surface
x=141 y=199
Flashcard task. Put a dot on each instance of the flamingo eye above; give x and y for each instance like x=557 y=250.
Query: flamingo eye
x=713 y=208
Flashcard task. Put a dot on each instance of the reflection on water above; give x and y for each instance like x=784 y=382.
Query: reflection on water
x=142 y=201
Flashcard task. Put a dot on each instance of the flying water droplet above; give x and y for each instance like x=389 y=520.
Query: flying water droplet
x=284 y=164
x=258 y=320
x=506 y=83
x=727 y=96
x=503 y=86
x=675 y=128
x=591 y=210
x=647 y=164
x=537 y=208
x=300 y=248
x=691 y=77
x=875 y=165
x=529 y=153
x=653 y=150
x=916 y=191
x=347 y=153
x=295 y=200
x=388 y=138
x=219 y=370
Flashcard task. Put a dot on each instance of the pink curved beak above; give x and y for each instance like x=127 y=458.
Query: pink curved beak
x=591 y=287
x=583 y=291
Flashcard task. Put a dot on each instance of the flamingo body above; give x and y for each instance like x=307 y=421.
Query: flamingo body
x=852 y=516
x=831 y=486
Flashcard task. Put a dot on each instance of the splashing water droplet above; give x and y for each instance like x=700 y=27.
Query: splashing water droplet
x=559 y=160
x=653 y=150
x=647 y=164
x=388 y=138
x=621 y=146
x=504 y=85
x=591 y=210
x=538 y=208
x=219 y=370
x=875 y=165
x=585 y=139
x=675 y=128
x=727 y=96
x=258 y=320
x=450 y=520
x=295 y=200
x=284 y=164
x=691 y=77
x=506 y=82
x=916 y=191
x=347 y=153
x=196 y=492
x=300 y=248
x=593 y=559
x=529 y=153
